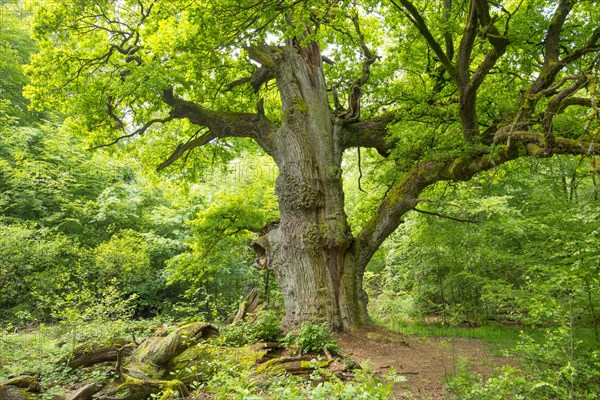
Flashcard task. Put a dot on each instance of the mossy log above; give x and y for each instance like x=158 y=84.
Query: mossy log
x=85 y=392
x=10 y=392
x=146 y=370
x=28 y=382
x=130 y=388
x=87 y=355
x=159 y=351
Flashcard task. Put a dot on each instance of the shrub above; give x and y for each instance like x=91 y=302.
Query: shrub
x=267 y=327
x=312 y=337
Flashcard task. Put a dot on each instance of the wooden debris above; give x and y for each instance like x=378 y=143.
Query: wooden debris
x=85 y=355
x=28 y=382
x=302 y=365
x=251 y=304
x=85 y=392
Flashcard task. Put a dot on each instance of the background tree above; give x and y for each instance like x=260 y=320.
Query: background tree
x=444 y=90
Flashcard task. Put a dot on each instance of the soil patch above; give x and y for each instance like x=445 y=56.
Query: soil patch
x=425 y=362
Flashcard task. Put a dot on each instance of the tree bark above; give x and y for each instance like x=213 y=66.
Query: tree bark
x=308 y=250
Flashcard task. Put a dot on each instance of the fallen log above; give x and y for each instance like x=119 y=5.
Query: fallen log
x=147 y=370
x=87 y=355
x=159 y=351
x=13 y=393
x=85 y=392
x=130 y=388
x=29 y=382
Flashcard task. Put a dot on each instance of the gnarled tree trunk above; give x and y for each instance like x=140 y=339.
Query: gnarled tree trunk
x=308 y=250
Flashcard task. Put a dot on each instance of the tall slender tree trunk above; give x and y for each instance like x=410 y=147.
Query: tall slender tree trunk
x=309 y=250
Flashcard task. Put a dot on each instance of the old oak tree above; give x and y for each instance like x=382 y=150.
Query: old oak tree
x=443 y=89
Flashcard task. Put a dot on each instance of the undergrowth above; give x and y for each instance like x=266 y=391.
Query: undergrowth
x=224 y=373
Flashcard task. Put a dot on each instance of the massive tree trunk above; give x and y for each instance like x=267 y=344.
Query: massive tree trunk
x=308 y=250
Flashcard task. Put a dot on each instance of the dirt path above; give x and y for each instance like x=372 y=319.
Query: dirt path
x=425 y=362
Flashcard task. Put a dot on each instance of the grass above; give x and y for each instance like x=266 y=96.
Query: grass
x=502 y=337
x=498 y=334
x=505 y=336
x=28 y=351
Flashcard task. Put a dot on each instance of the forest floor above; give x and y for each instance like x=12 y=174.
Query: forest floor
x=425 y=362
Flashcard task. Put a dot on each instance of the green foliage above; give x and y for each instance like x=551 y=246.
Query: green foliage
x=312 y=338
x=216 y=268
x=527 y=259
x=111 y=221
x=33 y=265
x=88 y=237
x=234 y=335
x=103 y=304
x=265 y=326
x=551 y=371
x=44 y=350
x=16 y=47
x=367 y=385
x=527 y=250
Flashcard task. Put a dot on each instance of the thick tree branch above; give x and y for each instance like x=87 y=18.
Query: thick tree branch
x=469 y=85
x=498 y=41
x=574 y=101
x=552 y=67
x=447 y=35
x=557 y=103
x=219 y=124
x=352 y=114
x=465 y=48
x=404 y=195
x=259 y=77
x=552 y=40
x=370 y=133
x=265 y=55
x=222 y=124
x=591 y=46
